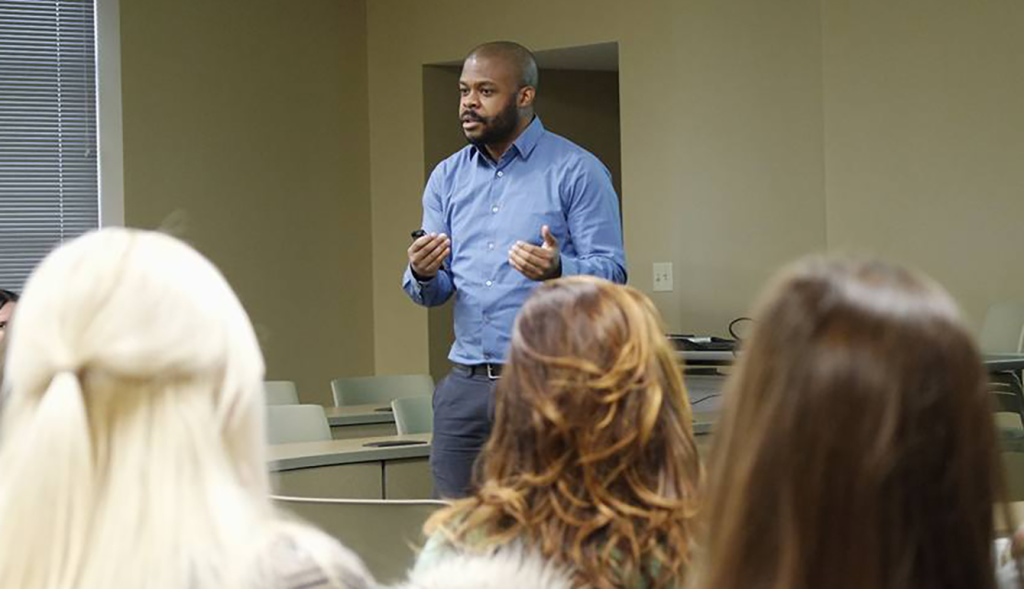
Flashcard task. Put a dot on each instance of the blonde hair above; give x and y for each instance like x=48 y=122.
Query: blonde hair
x=592 y=461
x=133 y=439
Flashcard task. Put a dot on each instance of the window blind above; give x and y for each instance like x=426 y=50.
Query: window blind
x=48 y=161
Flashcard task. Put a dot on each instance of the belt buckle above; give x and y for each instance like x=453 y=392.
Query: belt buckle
x=490 y=372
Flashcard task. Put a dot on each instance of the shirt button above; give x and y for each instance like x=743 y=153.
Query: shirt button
x=494 y=209
x=490 y=245
x=500 y=174
x=488 y=283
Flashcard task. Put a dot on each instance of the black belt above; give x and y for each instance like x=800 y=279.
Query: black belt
x=491 y=371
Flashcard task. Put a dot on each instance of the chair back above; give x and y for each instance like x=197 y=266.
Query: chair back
x=1003 y=329
x=291 y=424
x=371 y=390
x=386 y=534
x=281 y=392
x=414 y=415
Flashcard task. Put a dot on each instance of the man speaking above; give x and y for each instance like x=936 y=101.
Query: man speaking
x=516 y=206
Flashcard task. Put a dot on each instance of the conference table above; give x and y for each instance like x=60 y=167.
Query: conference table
x=378 y=467
x=356 y=464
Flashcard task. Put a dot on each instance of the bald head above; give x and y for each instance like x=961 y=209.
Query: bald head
x=517 y=57
x=497 y=86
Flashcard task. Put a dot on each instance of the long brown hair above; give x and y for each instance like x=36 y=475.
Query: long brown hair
x=856 y=447
x=592 y=459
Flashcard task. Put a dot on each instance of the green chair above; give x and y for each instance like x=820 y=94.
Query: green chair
x=379 y=390
x=384 y=533
x=414 y=415
x=281 y=392
x=292 y=424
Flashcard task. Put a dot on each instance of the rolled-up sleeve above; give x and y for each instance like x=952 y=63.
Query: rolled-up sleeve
x=594 y=224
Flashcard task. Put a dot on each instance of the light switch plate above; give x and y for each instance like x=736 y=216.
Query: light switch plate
x=662 y=276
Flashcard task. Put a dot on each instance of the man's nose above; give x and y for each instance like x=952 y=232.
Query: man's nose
x=470 y=100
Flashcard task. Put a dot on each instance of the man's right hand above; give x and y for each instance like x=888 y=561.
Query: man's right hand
x=427 y=253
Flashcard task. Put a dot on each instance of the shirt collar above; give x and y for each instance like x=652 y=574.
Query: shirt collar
x=528 y=139
x=523 y=144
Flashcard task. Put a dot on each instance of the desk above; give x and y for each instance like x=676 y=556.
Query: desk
x=993 y=362
x=347 y=468
x=705 y=358
x=351 y=470
x=361 y=421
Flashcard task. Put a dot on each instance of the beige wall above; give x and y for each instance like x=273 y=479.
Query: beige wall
x=584 y=106
x=721 y=130
x=442 y=136
x=245 y=123
x=751 y=133
x=924 y=142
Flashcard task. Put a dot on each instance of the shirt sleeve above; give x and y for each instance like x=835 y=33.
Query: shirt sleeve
x=438 y=289
x=594 y=224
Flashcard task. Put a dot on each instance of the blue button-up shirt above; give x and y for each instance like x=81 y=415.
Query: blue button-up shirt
x=542 y=179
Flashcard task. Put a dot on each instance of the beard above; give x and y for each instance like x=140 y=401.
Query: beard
x=495 y=129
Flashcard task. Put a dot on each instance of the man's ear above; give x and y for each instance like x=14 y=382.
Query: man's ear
x=526 y=96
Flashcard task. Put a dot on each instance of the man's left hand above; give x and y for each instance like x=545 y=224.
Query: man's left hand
x=537 y=262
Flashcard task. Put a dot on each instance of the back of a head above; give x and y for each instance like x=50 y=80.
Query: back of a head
x=856 y=446
x=134 y=421
x=592 y=444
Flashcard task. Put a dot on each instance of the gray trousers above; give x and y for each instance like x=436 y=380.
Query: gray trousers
x=463 y=413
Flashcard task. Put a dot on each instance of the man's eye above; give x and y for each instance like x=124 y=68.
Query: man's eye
x=487 y=92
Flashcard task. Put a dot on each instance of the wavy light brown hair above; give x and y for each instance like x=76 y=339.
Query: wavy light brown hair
x=856 y=447
x=592 y=459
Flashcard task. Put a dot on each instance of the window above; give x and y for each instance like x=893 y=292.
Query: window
x=48 y=151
